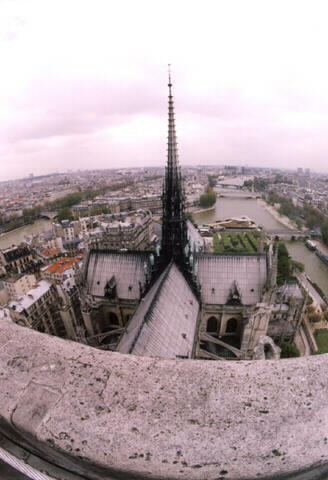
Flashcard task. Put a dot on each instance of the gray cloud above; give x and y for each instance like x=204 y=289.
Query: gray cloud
x=89 y=89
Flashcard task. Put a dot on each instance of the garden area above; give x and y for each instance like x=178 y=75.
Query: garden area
x=321 y=337
x=235 y=242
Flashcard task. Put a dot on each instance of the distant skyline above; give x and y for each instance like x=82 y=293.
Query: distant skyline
x=84 y=84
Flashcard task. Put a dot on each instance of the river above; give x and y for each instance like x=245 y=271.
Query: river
x=227 y=207
x=235 y=207
x=15 y=237
x=314 y=267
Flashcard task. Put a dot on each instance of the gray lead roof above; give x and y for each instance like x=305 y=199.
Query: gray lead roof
x=164 y=325
x=128 y=269
x=219 y=272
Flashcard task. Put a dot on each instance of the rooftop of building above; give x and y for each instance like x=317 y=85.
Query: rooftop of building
x=126 y=267
x=16 y=252
x=50 y=252
x=63 y=263
x=220 y=273
x=13 y=278
x=25 y=301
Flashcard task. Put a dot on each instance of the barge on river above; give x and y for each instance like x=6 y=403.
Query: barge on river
x=322 y=257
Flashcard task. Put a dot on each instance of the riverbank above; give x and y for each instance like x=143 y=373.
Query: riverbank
x=15 y=237
x=12 y=230
x=285 y=221
x=3 y=234
x=314 y=267
x=202 y=210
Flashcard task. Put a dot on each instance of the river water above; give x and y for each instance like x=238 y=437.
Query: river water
x=15 y=237
x=235 y=207
x=227 y=207
x=314 y=267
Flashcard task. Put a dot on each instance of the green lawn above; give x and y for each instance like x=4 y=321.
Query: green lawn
x=216 y=244
x=321 y=337
x=232 y=243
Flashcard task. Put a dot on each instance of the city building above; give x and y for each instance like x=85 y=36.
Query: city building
x=16 y=258
x=48 y=307
x=18 y=284
x=62 y=269
x=131 y=231
x=37 y=309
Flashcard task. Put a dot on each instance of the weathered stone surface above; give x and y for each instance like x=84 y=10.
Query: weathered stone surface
x=33 y=405
x=259 y=351
x=120 y=416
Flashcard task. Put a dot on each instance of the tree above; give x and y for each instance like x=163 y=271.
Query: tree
x=310 y=309
x=298 y=265
x=311 y=221
x=298 y=222
x=248 y=184
x=324 y=232
x=208 y=199
x=284 y=264
x=65 y=214
x=260 y=184
x=288 y=350
x=315 y=317
x=309 y=300
x=98 y=210
x=212 y=180
x=312 y=217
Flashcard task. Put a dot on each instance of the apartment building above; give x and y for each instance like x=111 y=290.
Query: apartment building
x=37 y=309
x=16 y=258
x=19 y=284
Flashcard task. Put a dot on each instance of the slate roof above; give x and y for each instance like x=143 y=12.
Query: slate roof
x=127 y=267
x=164 y=325
x=219 y=272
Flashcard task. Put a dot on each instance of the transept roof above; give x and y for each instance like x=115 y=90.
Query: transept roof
x=219 y=272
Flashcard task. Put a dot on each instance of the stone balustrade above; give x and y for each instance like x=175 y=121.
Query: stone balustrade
x=104 y=415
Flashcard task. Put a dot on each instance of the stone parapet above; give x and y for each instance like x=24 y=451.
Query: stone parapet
x=104 y=415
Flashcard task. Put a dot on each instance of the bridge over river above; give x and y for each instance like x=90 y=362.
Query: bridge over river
x=234 y=191
x=50 y=215
x=286 y=234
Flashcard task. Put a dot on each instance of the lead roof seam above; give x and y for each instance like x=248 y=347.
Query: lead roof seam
x=151 y=306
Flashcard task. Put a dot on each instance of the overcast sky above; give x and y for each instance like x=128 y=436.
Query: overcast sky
x=83 y=84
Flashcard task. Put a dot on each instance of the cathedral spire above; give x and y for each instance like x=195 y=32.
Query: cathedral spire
x=174 y=227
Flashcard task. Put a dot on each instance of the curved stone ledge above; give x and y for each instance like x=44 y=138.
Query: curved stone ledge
x=109 y=416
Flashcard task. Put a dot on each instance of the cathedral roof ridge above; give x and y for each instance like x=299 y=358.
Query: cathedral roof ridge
x=159 y=327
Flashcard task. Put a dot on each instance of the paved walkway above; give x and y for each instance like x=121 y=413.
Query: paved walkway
x=318 y=300
x=306 y=343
